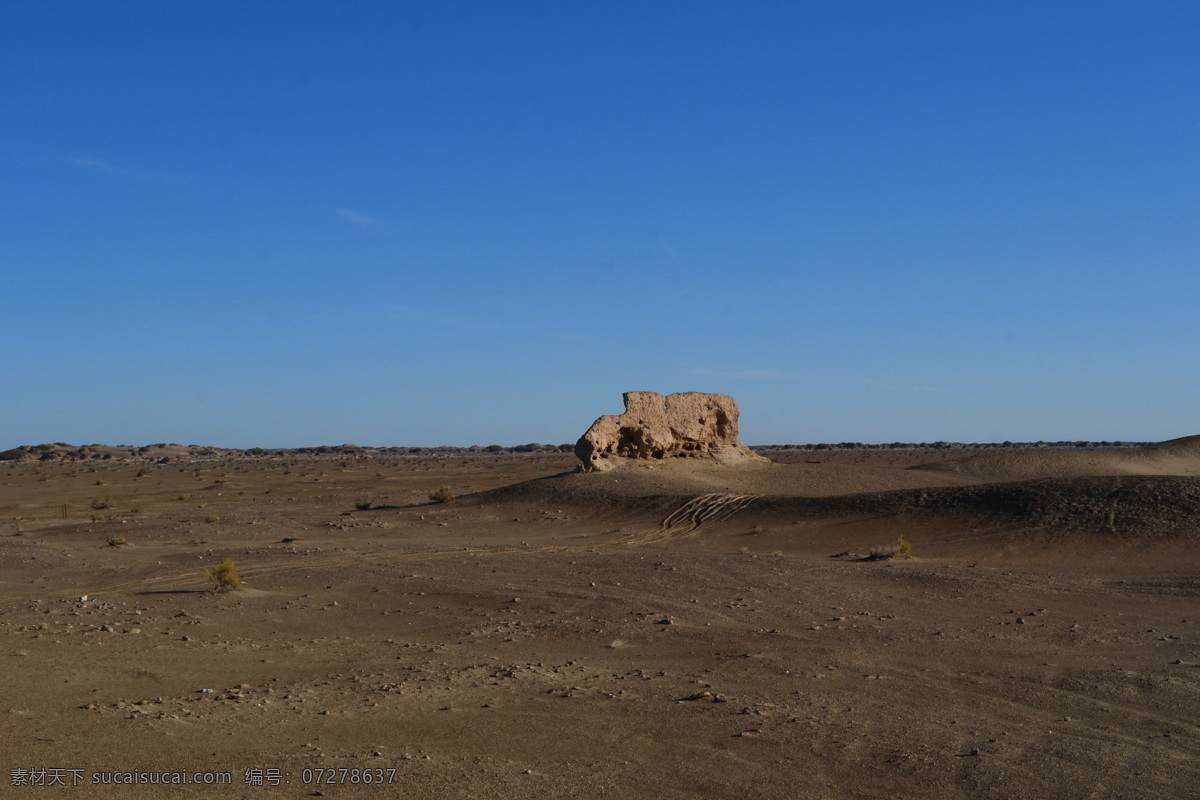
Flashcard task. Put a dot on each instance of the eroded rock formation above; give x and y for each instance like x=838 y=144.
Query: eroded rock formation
x=655 y=427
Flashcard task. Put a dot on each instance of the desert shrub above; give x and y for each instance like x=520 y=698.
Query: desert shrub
x=442 y=495
x=141 y=473
x=184 y=497
x=12 y=455
x=100 y=505
x=101 y=483
x=117 y=541
x=902 y=547
x=225 y=575
x=363 y=505
x=211 y=518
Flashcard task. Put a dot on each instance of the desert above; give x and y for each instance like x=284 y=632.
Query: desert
x=831 y=621
x=738 y=400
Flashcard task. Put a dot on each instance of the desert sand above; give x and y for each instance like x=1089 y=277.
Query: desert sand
x=649 y=632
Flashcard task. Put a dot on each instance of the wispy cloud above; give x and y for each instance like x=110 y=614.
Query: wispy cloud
x=919 y=388
x=358 y=218
x=103 y=167
x=97 y=165
x=749 y=373
x=436 y=318
x=656 y=246
x=408 y=315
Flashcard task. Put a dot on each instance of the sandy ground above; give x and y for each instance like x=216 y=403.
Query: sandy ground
x=654 y=633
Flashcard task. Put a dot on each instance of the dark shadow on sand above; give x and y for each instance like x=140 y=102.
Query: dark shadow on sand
x=177 y=591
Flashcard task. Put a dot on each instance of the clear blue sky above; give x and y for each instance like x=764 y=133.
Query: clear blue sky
x=286 y=224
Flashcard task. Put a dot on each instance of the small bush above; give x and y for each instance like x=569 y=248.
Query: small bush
x=902 y=547
x=442 y=495
x=211 y=518
x=117 y=541
x=363 y=505
x=99 y=505
x=184 y=497
x=225 y=575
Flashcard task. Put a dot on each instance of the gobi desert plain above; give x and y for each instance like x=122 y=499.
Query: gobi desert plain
x=655 y=612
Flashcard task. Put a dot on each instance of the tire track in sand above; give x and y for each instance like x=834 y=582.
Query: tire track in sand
x=687 y=519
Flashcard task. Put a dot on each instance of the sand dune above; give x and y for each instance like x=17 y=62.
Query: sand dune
x=1131 y=504
x=1174 y=457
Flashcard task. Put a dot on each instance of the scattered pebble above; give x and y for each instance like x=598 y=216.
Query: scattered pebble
x=697 y=696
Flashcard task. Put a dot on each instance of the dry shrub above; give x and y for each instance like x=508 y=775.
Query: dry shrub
x=902 y=547
x=225 y=575
x=442 y=495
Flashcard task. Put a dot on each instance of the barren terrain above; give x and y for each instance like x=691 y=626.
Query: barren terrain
x=672 y=631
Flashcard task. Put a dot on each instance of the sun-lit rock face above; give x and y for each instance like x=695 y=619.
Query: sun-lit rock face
x=658 y=427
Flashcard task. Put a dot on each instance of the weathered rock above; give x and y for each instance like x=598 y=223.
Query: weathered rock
x=656 y=427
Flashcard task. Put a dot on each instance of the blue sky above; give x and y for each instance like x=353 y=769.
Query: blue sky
x=288 y=224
